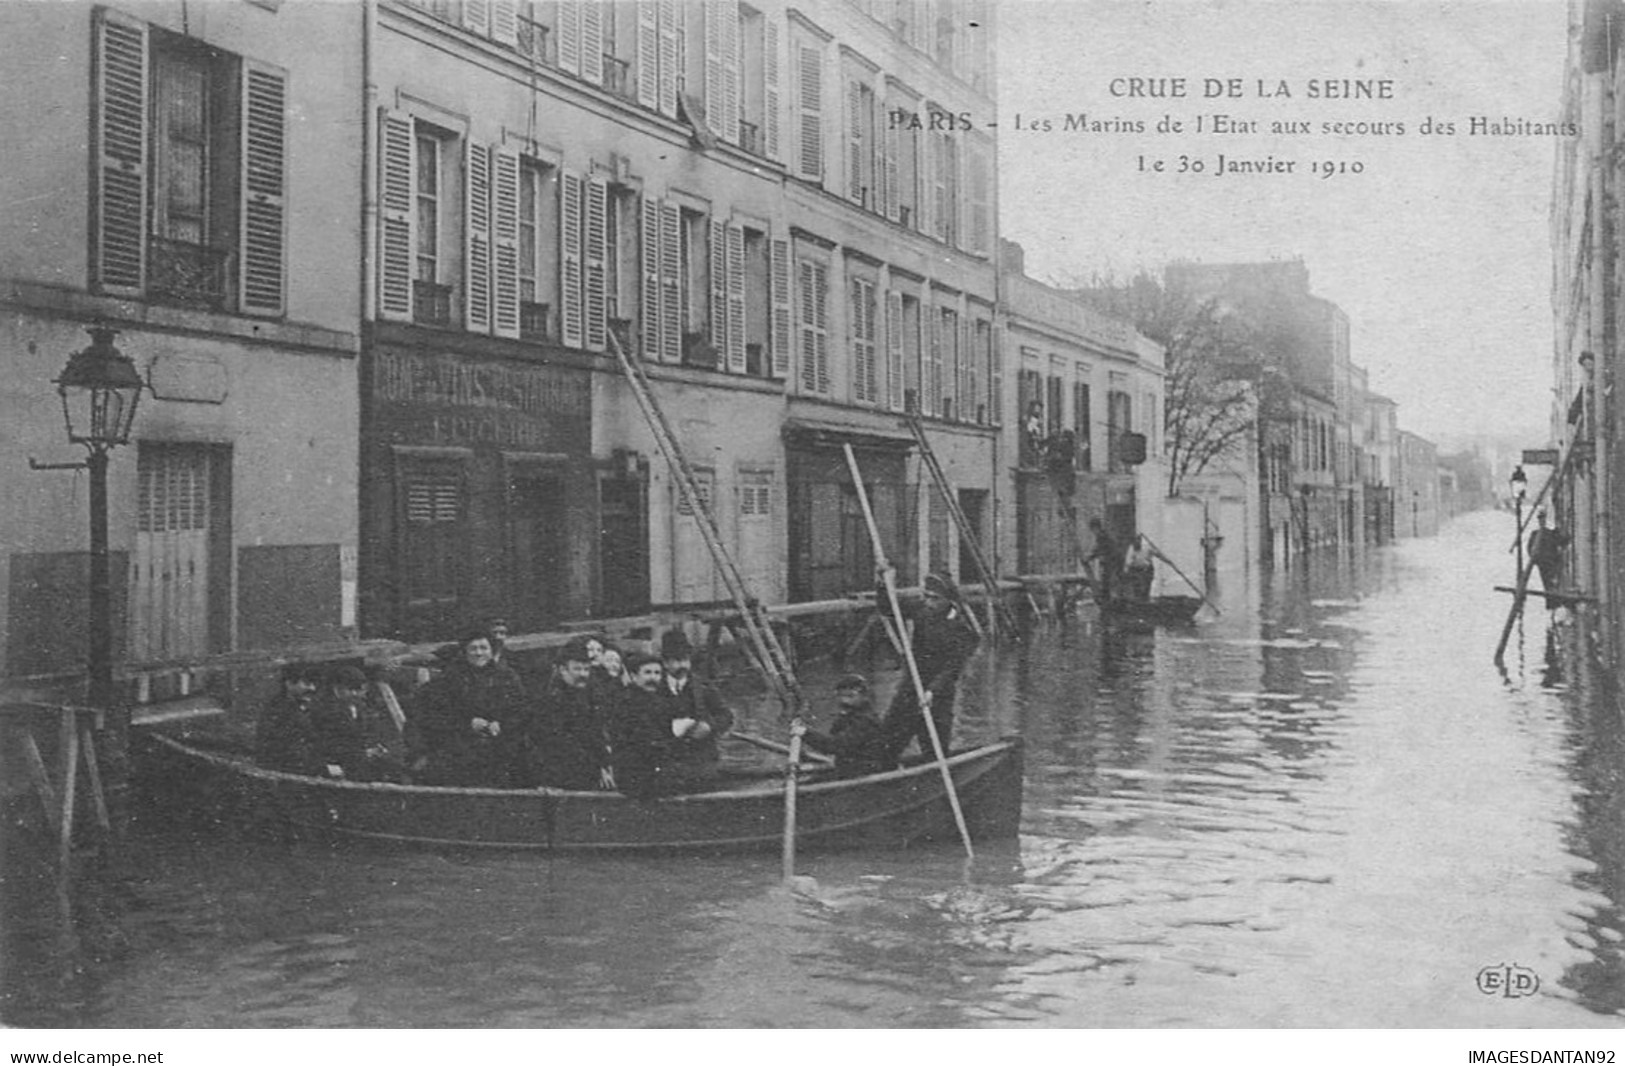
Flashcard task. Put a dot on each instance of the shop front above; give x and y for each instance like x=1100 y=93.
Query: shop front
x=831 y=552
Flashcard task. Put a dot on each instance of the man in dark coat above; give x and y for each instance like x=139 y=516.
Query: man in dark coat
x=1546 y=552
x=472 y=721
x=569 y=741
x=1110 y=554
x=355 y=738
x=285 y=738
x=942 y=642
x=855 y=737
x=698 y=716
x=640 y=728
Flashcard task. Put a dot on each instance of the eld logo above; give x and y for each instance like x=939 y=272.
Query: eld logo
x=1511 y=981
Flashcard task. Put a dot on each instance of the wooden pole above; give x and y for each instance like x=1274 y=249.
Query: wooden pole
x=792 y=770
x=1518 y=596
x=1161 y=555
x=922 y=697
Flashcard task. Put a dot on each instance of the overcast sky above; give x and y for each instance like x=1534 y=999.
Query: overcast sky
x=1438 y=251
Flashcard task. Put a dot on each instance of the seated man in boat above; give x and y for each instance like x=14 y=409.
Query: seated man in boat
x=942 y=642
x=699 y=718
x=285 y=739
x=472 y=721
x=660 y=745
x=569 y=740
x=355 y=737
x=855 y=737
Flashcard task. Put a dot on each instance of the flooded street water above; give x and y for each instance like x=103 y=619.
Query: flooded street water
x=1323 y=808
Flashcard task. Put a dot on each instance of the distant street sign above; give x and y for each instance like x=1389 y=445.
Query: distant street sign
x=1540 y=456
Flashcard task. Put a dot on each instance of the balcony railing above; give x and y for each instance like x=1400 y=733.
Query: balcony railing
x=534 y=42
x=534 y=321
x=618 y=77
x=750 y=138
x=431 y=303
x=189 y=273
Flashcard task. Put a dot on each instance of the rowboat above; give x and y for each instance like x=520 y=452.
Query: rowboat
x=1159 y=610
x=896 y=809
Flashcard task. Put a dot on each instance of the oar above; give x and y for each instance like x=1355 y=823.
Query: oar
x=922 y=697
x=780 y=749
x=1163 y=556
x=792 y=770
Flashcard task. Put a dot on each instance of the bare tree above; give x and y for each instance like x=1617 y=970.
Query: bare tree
x=1220 y=378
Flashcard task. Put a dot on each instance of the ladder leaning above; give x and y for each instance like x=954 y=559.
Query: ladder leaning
x=761 y=641
x=998 y=611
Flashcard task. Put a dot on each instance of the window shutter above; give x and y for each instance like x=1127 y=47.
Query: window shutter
x=504 y=242
x=995 y=377
x=120 y=208
x=714 y=94
x=648 y=54
x=977 y=179
x=262 y=238
x=570 y=257
x=972 y=405
x=505 y=22
x=477 y=238
x=736 y=297
x=941 y=161
x=649 y=247
x=778 y=285
x=806 y=309
x=593 y=14
x=477 y=16
x=934 y=387
x=865 y=379
x=809 y=113
x=770 y=79
x=666 y=12
x=569 y=31
x=671 y=282
x=731 y=71
x=397 y=221
x=854 y=141
x=821 y=324
x=925 y=166
x=594 y=241
x=894 y=350
x=887 y=178
x=717 y=254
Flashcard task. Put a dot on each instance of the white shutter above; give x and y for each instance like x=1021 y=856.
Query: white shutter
x=807 y=314
x=593 y=13
x=933 y=384
x=941 y=160
x=671 y=282
x=821 y=324
x=728 y=129
x=713 y=13
x=779 y=322
x=477 y=237
x=648 y=54
x=569 y=31
x=477 y=16
x=649 y=248
x=570 y=311
x=925 y=166
x=666 y=12
x=864 y=381
x=595 y=251
x=717 y=256
x=770 y=78
x=736 y=297
x=504 y=242
x=262 y=237
x=397 y=221
x=854 y=141
x=505 y=22
x=120 y=201
x=894 y=350
x=809 y=113
x=995 y=386
x=978 y=200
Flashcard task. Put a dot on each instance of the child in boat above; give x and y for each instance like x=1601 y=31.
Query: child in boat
x=854 y=738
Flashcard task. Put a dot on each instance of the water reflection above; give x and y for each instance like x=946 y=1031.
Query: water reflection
x=1322 y=807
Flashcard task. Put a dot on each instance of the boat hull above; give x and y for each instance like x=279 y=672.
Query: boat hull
x=1160 y=610
x=890 y=810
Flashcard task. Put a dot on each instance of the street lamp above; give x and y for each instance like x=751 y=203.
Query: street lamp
x=100 y=388
x=1520 y=485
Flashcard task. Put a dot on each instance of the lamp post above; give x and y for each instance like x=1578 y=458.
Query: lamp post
x=100 y=389
x=1416 y=498
x=1520 y=485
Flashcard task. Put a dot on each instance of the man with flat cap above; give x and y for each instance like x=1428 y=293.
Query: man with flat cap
x=942 y=641
x=855 y=737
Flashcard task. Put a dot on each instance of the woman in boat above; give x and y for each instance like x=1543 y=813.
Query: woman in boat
x=942 y=643
x=472 y=721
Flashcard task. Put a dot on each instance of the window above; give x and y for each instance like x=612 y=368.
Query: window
x=431 y=298
x=756 y=278
x=189 y=190
x=807 y=77
x=1119 y=421
x=941 y=387
x=945 y=186
x=861 y=186
x=811 y=301
x=694 y=285
x=538 y=250
x=759 y=77
x=914 y=371
x=861 y=319
x=621 y=263
x=433 y=524
x=1082 y=413
x=994 y=413
x=661 y=247
x=1054 y=404
x=903 y=166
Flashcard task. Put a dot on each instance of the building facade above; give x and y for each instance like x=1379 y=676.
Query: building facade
x=210 y=217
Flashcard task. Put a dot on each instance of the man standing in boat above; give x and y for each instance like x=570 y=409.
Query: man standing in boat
x=942 y=641
x=1109 y=553
x=1139 y=570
